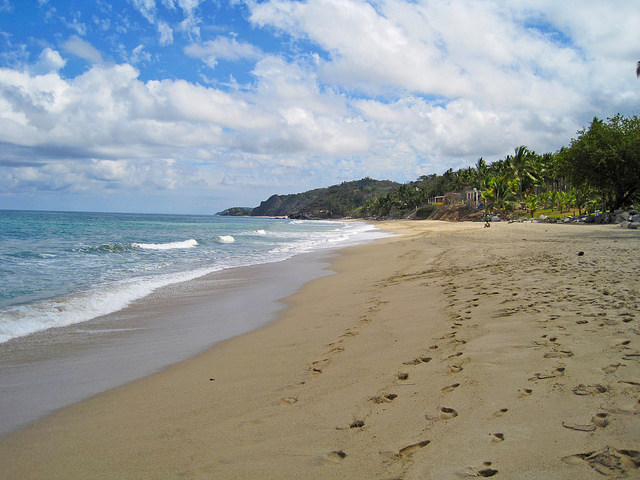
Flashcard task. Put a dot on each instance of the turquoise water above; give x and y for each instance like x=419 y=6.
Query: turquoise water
x=62 y=268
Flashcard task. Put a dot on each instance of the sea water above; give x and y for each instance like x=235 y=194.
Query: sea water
x=63 y=268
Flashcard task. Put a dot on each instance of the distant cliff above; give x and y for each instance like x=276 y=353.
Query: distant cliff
x=236 y=212
x=333 y=202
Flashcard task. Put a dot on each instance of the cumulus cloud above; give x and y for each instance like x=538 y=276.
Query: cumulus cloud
x=49 y=61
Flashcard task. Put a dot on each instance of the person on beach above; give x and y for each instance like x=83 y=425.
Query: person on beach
x=487 y=222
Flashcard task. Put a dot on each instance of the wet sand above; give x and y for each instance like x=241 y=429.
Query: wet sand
x=453 y=351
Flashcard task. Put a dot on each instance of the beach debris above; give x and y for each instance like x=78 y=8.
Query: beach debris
x=501 y=412
x=609 y=461
x=413 y=448
x=211 y=379
x=580 y=254
x=497 y=437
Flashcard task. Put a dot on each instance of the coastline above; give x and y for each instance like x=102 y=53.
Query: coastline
x=61 y=366
x=450 y=351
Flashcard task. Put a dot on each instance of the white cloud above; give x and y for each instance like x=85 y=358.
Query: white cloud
x=166 y=34
x=224 y=48
x=139 y=55
x=49 y=61
x=147 y=9
x=83 y=49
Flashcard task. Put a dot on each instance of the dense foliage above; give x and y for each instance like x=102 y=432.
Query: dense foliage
x=606 y=158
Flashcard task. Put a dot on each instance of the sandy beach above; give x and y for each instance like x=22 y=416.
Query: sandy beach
x=450 y=351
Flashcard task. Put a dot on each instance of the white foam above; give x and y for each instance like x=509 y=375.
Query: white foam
x=261 y=232
x=19 y=321
x=167 y=246
x=226 y=239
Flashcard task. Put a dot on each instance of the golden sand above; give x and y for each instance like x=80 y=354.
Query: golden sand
x=451 y=351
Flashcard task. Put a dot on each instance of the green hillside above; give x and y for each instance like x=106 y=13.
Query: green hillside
x=333 y=202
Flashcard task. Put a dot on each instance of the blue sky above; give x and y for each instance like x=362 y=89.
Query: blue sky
x=192 y=106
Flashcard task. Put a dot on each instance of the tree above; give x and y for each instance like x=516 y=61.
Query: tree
x=532 y=204
x=500 y=194
x=606 y=157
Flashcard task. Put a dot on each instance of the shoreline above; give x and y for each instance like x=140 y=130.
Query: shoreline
x=450 y=351
x=65 y=365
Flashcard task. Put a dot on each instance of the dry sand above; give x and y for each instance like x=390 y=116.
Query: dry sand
x=452 y=351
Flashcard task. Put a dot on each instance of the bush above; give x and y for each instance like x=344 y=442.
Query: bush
x=425 y=211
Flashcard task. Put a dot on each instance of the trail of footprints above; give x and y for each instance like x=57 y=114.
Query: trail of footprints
x=542 y=303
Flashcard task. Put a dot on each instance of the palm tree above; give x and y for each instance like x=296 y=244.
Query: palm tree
x=500 y=194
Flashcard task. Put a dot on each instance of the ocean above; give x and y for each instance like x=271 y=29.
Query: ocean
x=90 y=301
x=63 y=268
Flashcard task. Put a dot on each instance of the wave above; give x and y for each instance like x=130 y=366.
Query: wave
x=260 y=232
x=166 y=246
x=22 y=320
x=226 y=239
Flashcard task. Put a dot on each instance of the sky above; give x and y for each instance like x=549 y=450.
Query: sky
x=193 y=106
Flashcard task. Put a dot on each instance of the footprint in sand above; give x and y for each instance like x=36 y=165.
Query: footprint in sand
x=457 y=368
x=357 y=424
x=501 y=412
x=600 y=420
x=336 y=456
x=589 y=389
x=418 y=361
x=579 y=427
x=288 y=400
x=525 y=393
x=611 y=368
x=497 y=437
x=559 y=354
x=609 y=461
x=413 y=448
x=386 y=398
x=450 y=388
x=447 y=413
x=557 y=372
x=403 y=376
x=484 y=470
